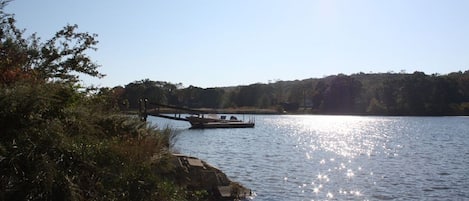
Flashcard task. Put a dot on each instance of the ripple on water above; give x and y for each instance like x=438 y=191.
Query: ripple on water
x=292 y=157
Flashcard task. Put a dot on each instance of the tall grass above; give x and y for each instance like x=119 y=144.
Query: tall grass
x=59 y=144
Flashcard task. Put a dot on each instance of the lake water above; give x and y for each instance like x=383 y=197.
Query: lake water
x=316 y=157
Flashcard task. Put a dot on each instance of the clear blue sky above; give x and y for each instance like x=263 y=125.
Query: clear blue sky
x=211 y=43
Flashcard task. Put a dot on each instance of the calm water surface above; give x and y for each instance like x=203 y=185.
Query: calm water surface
x=319 y=157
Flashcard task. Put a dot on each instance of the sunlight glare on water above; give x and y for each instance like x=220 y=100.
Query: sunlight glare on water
x=331 y=143
x=347 y=136
x=319 y=157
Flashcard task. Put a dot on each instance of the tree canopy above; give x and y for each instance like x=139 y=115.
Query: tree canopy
x=374 y=94
x=61 y=58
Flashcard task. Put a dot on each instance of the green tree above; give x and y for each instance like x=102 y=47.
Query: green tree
x=254 y=95
x=318 y=94
x=342 y=95
x=443 y=94
x=61 y=58
x=211 y=97
x=154 y=91
x=387 y=94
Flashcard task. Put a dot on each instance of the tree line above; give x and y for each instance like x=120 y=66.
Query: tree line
x=368 y=94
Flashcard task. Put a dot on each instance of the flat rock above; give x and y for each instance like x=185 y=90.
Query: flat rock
x=200 y=175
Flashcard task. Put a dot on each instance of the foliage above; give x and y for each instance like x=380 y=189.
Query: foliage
x=60 y=145
x=59 y=142
x=374 y=94
x=60 y=58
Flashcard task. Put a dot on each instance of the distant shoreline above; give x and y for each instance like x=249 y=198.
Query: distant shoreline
x=256 y=111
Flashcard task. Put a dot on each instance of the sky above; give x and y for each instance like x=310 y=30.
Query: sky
x=215 y=43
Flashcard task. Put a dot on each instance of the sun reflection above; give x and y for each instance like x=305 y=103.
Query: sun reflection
x=323 y=178
x=334 y=145
x=316 y=190
x=322 y=162
x=350 y=173
x=342 y=166
x=347 y=136
x=357 y=193
x=351 y=192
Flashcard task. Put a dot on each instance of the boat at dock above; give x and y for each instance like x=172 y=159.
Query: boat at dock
x=200 y=119
x=211 y=121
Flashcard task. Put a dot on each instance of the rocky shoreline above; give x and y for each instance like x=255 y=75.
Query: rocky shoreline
x=198 y=175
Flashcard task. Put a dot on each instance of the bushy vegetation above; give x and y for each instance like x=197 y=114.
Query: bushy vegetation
x=60 y=141
x=60 y=145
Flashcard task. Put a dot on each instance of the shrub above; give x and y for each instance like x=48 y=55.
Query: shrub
x=55 y=146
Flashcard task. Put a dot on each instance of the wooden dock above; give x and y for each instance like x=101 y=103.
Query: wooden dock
x=197 y=119
x=175 y=117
